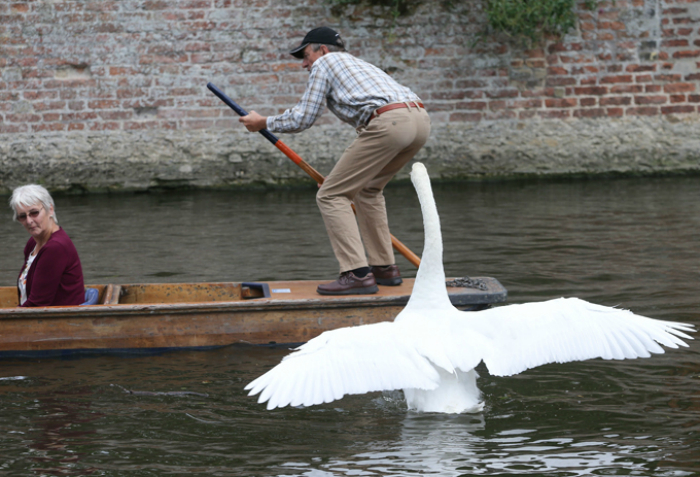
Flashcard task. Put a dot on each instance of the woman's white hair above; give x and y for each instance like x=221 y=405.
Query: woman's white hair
x=29 y=195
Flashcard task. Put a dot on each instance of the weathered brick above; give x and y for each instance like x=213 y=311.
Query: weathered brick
x=49 y=105
x=555 y=114
x=650 y=99
x=560 y=81
x=38 y=95
x=640 y=68
x=560 y=102
x=123 y=70
x=675 y=11
x=6 y=128
x=497 y=105
x=105 y=126
x=23 y=118
x=679 y=109
x=557 y=70
x=19 y=8
x=448 y=95
x=76 y=105
x=682 y=21
x=434 y=107
x=535 y=63
x=616 y=100
x=623 y=89
x=667 y=78
x=76 y=126
x=678 y=42
x=504 y=114
x=679 y=88
x=617 y=79
x=471 y=105
x=80 y=116
x=584 y=69
x=573 y=59
x=115 y=115
x=614 y=25
x=49 y=117
x=503 y=93
x=465 y=117
x=104 y=104
x=527 y=114
x=525 y=104
x=155 y=5
x=195 y=4
x=202 y=113
x=678 y=98
x=644 y=111
x=687 y=54
x=591 y=91
x=470 y=84
x=590 y=113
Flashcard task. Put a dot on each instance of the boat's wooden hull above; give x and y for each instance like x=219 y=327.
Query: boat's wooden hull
x=156 y=317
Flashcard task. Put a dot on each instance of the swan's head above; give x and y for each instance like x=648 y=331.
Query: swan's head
x=418 y=168
x=421 y=181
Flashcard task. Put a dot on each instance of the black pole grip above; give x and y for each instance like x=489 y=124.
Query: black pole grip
x=240 y=111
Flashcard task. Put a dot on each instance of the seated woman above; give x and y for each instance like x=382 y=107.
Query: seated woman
x=52 y=274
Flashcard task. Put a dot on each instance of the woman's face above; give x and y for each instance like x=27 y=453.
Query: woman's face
x=35 y=218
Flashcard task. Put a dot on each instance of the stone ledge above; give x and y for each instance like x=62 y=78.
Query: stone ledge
x=132 y=161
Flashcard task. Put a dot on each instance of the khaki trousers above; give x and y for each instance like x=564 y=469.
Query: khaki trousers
x=380 y=150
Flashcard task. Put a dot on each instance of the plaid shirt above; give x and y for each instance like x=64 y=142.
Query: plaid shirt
x=352 y=88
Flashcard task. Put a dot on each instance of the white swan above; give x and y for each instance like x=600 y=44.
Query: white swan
x=431 y=349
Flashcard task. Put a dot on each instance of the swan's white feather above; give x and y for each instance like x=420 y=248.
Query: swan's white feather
x=521 y=337
x=352 y=360
x=431 y=349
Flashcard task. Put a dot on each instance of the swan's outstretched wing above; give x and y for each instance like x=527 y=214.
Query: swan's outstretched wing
x=521 y=337
x=353 y=360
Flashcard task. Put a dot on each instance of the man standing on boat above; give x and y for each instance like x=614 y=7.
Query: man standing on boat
x=391 y=125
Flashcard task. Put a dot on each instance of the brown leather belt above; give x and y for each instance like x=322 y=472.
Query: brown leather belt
x=389 y=107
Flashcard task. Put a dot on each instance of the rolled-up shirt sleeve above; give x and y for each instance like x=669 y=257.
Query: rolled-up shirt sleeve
x=308 y=109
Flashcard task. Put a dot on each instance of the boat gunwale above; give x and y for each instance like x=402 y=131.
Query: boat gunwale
x=195 y=307
x=498 y=295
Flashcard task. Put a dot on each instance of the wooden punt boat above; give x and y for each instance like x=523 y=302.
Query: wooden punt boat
x=147 y=318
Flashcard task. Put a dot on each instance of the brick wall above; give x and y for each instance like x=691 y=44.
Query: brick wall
x=75 y=70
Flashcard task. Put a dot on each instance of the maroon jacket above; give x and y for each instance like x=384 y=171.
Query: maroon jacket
x=56 y=276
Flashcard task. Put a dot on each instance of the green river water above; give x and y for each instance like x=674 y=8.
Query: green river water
x=628 y=242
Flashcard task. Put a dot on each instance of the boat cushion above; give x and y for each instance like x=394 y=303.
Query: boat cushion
x=91 y=296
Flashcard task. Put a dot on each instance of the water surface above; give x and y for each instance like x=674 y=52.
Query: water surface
x=629 y=242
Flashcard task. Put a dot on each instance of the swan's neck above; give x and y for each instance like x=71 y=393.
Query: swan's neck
x=429 y=289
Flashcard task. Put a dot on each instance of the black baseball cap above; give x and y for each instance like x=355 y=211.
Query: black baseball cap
x=321 y=35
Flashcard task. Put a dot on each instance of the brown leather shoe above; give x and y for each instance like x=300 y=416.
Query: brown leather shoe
x=387 y=276
x=349 y=284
